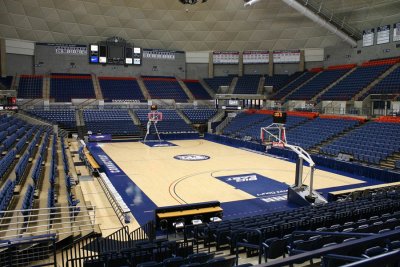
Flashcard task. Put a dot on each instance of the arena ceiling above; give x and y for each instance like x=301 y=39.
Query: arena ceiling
x=167 y=24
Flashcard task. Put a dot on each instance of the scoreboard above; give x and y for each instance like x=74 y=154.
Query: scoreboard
x=115 y=51
x=279 y=117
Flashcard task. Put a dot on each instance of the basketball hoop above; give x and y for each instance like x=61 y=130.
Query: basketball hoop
x=273 y=135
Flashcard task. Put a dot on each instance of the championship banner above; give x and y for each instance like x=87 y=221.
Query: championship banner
x=368 y=37
x=226 y=57
x=396 y=32
x=256 y=57
x=383 y=35
x=286 y=56
x=67 y=49
x=160 y=54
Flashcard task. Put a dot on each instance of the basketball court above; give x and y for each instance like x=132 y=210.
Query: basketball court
x=156 y=174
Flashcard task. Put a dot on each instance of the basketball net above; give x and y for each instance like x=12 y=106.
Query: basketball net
x=153 y=118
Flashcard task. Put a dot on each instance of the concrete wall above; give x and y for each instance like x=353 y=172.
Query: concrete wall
x=19 y=64
x=196 y=71
x=47 y=61
x=224 y=70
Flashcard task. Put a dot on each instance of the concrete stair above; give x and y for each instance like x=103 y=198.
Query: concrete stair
x=185 y=89
x=314 y=99
x=134 y=117
x=207 y=88
x=143 y=88
x=233 y=85
x=183 y=116
x=288 y=84
x=261 y=83
x=15 y=82
x=79 y=118
x=25 y=117
x=97 y=88
x=390 y=162
x=316 y=149
x=375 y=82
x=46 y=88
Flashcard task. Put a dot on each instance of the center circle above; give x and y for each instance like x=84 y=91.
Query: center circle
x=191 y=157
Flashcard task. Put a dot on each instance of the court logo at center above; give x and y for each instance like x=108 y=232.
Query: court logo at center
x=191 y=157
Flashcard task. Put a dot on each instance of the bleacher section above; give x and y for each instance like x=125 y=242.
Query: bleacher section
x=247 y=84
x=30 y=86
x=293 y=85
x=318 y=130
x=198 y=116
x=120 y=88
x=165 y=88
x=354 y=83
x=171 y=123
x=280 y=80
x=241 y=121
x=253 y=131
x=114 y=122
x=197 y=90
x=64 y=87
x=216 y=82
x=312 y=88
x=6 y=81
x=371 y=143
x=65 y=118
x=389 y=85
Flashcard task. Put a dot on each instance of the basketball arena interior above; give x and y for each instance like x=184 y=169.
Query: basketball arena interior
x=208 y=133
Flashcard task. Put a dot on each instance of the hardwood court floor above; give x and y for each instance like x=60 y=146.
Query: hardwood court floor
x=167 y=181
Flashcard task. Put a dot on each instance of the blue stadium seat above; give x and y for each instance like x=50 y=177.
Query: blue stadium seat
x=30 y=86
x=65 y=87
x=165 y=88
x=316 y=85
x=113 y=121
x=171 y=123
x=216 y=82
x=197 y=90
x=247 y=84
x=120 y=88
x=347 y=88
x=366 y=143
x=199 y=115
x=285 y=90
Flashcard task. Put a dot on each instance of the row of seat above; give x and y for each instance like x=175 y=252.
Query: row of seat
x=318 y=84
x=165 y=89
x=197 y=90
x=197 y=116
x=279 y=224
x=371 y=143
x=356 y=81
x=247 y=84
x=30 y=86
x=120 y=89
x=114 y=122
x=65 y=117
x=285 y=90
x=63 y=90
x=21 y=167
x=5 y=195
x=28 y=201
x=172 y=122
